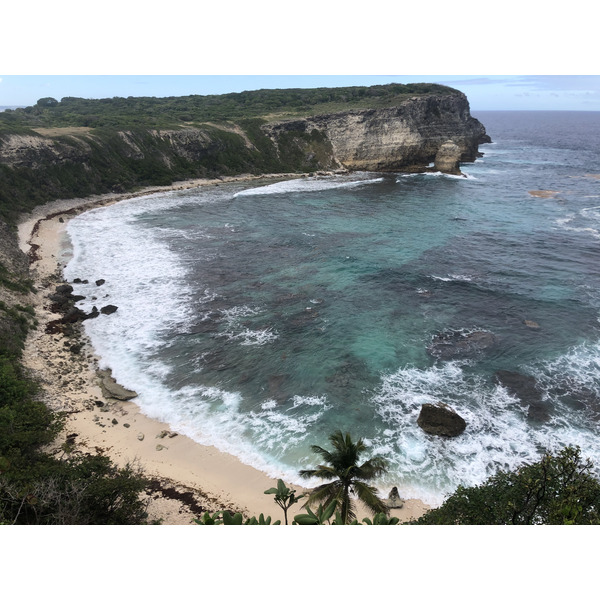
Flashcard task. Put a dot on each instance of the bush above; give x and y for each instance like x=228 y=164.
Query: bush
x=87 y=490
x=558 y=490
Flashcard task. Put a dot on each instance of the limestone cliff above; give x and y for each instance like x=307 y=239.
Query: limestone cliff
x=395 y=138
x=38 y=165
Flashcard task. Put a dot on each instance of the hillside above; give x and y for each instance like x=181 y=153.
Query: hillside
x=77 y=147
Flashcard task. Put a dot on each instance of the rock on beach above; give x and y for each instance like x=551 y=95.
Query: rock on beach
x=111 y=389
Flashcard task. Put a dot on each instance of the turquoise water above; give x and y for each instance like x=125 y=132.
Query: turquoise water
x=259 y=318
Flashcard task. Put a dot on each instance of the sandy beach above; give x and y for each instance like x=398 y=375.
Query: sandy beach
x=188 y=478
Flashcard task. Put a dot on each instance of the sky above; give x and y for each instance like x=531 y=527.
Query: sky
x=491 y=92
x=517 y=56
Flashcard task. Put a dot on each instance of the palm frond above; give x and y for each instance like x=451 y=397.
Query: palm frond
x=348 y=477
x=324 y=494
x=372 y=468
x=321 y=471
x=368 y=496
x=322 y=452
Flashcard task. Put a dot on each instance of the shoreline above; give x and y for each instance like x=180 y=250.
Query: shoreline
x=189 y=478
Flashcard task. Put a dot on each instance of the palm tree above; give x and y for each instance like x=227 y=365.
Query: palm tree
x=348 y=477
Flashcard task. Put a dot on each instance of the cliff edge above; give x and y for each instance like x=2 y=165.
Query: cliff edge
x=398 y=138
x=76 y=148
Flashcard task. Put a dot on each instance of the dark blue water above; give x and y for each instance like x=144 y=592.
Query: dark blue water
x=261 y=318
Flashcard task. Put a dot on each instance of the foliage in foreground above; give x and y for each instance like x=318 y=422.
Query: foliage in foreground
x=558 y=490
x=346 y=478
x=284 y=497
x=87 y=490
x=39 y=489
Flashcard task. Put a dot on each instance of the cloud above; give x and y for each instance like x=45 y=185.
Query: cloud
x=559 y=83
x=477 y=81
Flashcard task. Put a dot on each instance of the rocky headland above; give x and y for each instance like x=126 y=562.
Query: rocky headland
x=414 y=134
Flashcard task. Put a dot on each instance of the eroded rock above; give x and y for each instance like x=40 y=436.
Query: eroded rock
x=447 y=159
x=394 y=500
x=111 y=389
x=440 y=419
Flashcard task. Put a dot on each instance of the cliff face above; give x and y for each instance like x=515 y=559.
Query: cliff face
x=391 y=139
x=77 y=161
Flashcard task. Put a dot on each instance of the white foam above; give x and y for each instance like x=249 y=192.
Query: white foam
x=453 y=277
x=464 y=176
x=234 y=330
x=143 y=278
x=592 y=212
x=497 y=433
x=581 y=363
x=313 y=184
x=589 y=214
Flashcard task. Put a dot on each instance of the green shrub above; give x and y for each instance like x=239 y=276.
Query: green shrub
x=558 y=490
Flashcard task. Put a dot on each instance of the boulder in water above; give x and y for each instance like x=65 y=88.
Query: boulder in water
x=440 y=419
x=109 y=309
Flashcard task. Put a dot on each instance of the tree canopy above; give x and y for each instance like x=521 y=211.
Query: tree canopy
x=154 y=112
x=345 y=477
x=560 y=489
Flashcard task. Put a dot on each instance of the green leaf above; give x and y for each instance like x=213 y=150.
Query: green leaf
x=306 y=520
x=329 y=510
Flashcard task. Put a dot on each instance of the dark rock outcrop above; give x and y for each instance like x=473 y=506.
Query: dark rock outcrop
x=109 y=309
x=519 y=385
x=525 y=388
x=440 y=419
x=457 y=344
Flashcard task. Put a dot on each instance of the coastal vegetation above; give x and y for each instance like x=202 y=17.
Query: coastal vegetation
x=76 y=147
x=559 y=489
x=41 y=481
x=148 y=112
x=39 y=486
x=345 y=478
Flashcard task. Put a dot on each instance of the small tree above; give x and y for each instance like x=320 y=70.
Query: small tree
x=284 y=497
x=346 y=477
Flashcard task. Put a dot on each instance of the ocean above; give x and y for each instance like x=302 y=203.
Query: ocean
x=261 y=317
